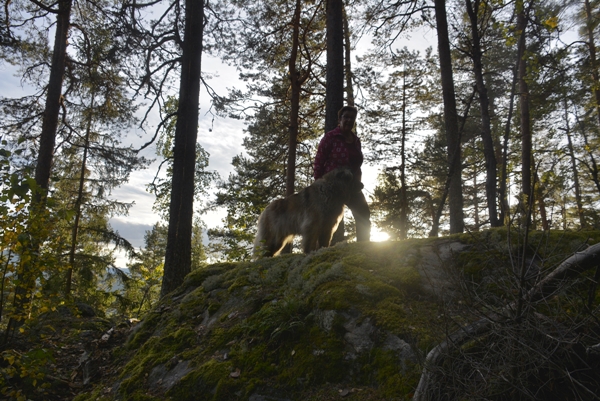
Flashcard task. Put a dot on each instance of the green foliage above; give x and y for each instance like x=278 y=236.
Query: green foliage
x=147 y=270
x=255 y=36
x=142 y=288
x=22 y=375
x=20 y=228
x=161 y=186
x=89 y=159
x=424 y=191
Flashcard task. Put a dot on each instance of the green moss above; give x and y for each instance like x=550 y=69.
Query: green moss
x=316 y=269
x=148 y=325
x=155 y=351
x=195 y=278
x=239 y=282
x=495 y=255
x=282 y=321
x=95 y=395
x=194 y=303
x=183 y=338
x=320 y=358
x=219 y=337
x=337 y=296
x=139 y=396
x=213 y=307
x=211 y=379
x=394 y=379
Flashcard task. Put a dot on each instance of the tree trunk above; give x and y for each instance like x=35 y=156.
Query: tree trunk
x=592 y=166
x=43 y=167
x=295 y=83
x=403 y=192
x=455 y=196
x=178 y=255
x=503 y=192
x=486 y=126
x=526 y=155
x=435 y=226
x=539 y=195
x=475 y=199
x=334 y=93
x=78 y=203
x=348 y=61
x=577 y=188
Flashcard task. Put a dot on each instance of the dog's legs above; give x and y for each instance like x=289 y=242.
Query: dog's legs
x=279 y=243
x=327 y=231
x=325 y=238
x=310 y=238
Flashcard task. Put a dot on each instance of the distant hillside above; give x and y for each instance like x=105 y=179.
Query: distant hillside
x=357 y=321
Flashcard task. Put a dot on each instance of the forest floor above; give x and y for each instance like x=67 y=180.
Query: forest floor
x=83 y=353
x=66 y=353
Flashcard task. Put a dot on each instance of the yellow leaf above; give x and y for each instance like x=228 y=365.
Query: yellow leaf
x=551 y=23
x=21 y=330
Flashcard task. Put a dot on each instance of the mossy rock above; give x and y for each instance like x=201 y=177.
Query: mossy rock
x=356 y=317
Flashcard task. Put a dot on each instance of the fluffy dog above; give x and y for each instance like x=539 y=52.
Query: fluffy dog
x=314 y=213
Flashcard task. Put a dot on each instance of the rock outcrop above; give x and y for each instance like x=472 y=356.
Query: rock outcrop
x=354 y=320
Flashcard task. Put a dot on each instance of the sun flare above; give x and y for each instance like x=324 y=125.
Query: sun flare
x=379 y=236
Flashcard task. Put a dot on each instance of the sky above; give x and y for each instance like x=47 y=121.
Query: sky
x=220 y=137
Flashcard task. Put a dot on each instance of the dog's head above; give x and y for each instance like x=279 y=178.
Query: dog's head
x=343 y=174
x=337 y=184
x=343 y=180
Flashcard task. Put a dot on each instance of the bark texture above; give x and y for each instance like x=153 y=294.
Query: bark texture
x=455 y=197
x=334 y=94
x=473 y=9
x=178 y=255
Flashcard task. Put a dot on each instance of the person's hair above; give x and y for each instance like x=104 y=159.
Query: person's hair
x=347 y=108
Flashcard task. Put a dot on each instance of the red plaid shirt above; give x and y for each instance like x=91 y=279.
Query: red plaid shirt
x=334 y=152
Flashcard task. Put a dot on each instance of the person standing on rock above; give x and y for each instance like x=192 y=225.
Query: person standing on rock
x=340 y=147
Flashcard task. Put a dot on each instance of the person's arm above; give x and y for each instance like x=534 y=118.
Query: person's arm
x=358 y=173
x=321 y=157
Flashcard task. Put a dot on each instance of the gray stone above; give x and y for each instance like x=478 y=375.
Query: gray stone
x=163 y=378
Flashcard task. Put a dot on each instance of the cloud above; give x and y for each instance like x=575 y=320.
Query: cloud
x=222 y=140
x=133 y=232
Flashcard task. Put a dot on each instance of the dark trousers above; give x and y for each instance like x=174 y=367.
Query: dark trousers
x=362 y=217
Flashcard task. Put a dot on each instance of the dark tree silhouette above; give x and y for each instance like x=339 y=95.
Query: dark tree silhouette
x=178 y=255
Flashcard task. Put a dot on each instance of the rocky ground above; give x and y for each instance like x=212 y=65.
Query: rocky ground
x=70 y=350
x=352 y=322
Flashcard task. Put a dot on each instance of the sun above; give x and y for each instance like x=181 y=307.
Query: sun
x=379 y=236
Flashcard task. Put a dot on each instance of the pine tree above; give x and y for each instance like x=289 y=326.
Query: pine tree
x=178 y=256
